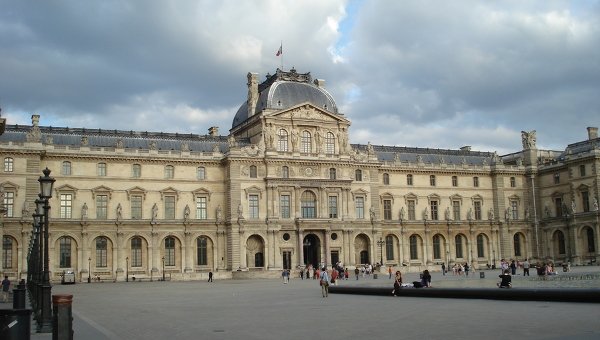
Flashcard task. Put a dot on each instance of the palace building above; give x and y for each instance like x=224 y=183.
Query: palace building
x=284 y=189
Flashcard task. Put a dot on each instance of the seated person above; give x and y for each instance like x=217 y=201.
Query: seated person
x=425 y=280
x=506 y=278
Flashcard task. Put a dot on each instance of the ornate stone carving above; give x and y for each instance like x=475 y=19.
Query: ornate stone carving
x=84 y=212
x=528 y=139
x=153 y=145
x=119 y=144
x=186 y=213
x=185 y=146
x=84 y=141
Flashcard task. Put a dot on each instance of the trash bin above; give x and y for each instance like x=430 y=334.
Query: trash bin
x=374 y=276
x=15 y=324
x=481 y=275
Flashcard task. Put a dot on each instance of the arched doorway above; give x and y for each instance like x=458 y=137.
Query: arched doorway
x=312 y=250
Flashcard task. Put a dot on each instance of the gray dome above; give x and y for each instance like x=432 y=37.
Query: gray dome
x=281 y=91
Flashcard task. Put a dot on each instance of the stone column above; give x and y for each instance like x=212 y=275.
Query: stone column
x=187 y=252
x=300 y=248
x=426 y=252
x=243 y=250
x=327 y=248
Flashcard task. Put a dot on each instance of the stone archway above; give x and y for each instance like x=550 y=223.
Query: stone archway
x=255 y=252
x=312 y=250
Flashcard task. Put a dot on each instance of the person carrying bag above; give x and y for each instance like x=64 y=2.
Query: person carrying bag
x=324 y=281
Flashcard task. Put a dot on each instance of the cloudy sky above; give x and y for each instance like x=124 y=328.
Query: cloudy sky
x=438 y=74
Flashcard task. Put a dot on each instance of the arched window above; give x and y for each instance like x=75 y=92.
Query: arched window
x=591 y=245
x=358 y=175
x=332 y=173
x=308 y=205
x=202 y=248
x=459 y=246
x=517 y=244
x=437 y=247
x=169 y=171
x=66 y=168
x=170 y=251
x=65 y=252
x=201 y=173
x=8 y=164
x=136 y=252
x=329 y=143
x=253 y=173
x=414 y=247
x=389 y=248
x=7 y=252
x=480 y=246
x=306 y=143
x=285 y=172
x=386 y=179
x=283 y=141
x=101 y=252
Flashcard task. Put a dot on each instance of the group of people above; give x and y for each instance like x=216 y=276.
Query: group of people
x=457 y=269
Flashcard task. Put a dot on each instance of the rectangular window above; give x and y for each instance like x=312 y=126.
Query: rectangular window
x=7 y=252
x=9 y=203
x=8 y=164
x=556 y=178
x=434 y=210
x=284 y=206
x=476 y=182
x=558 y=206
x=513 y=182
x=101 y=207
x=65 y=252
x=582 y=170
x=66 y=203
x=359 y=204
x=514 y=208
x=454 y=181
x=585 y=200
x=66 y=168
x=432 y=180
x=169 y=171
x=201 y=208
x=170 y=207
x=477 y=206
x=387 y=210
x=136 y=257
x=136 y=171
x=389 y=248
x=136 y=207
x=456 y=210
x=253 y=206
x=411 y=210
x=333 y=207
x=409 y=179
x=101 y=169
x=200 y=173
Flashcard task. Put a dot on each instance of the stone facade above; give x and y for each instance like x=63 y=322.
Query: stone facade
x=285 y=189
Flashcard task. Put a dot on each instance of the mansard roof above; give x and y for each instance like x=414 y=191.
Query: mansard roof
x=427 y=155
x=109 y=138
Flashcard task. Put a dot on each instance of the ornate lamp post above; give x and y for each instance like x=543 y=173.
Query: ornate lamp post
x=46 y=183
x=36 y=263
x=127 y=269
x=89 y=269
x=163 y=259
x=380 y=243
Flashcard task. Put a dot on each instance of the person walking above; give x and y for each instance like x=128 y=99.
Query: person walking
x=526 y=266
x=466 y=269
x=443 y=269
x=5 y=287
x=210 y=276
x=324 y=282
x=513 y=267
x=302 y=274
x=390 y=271
x=356 y=272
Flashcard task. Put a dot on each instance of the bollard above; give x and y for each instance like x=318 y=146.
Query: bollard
x=62 y=320
x=481 y=275
x=15 y=324
x=19 y=298
x=375 y=276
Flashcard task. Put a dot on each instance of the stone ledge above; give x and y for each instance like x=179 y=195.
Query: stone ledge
x=516 y=294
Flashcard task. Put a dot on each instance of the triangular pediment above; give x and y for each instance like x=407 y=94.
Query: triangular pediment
x=66 y=188
x=306 y=112
x=202 y=192
x=170 y=191
x=359 y=193
x=136 y=191
x=10 y=186
x=101 y=190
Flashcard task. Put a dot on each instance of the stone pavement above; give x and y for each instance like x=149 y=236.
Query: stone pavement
x=259 y=309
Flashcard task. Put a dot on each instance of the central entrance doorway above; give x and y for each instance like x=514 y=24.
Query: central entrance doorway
x=312 y=250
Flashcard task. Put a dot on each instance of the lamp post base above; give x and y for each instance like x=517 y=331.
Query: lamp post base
x=45 y=321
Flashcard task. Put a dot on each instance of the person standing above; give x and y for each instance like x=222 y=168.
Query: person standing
x=324 y=281
x=443 y=269
x=356 y=272
x=466 y=269
x=526 y=266
x=390 y=271
x=210 y=276
x=301 y=273
x=5 y=287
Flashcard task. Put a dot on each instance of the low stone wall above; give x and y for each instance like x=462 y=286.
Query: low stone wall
x=516 y=294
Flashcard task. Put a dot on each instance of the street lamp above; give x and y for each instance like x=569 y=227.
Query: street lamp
x=127 y=269
x=46 y=183
x=380 y=243
x=163 y=258
x=89 y=269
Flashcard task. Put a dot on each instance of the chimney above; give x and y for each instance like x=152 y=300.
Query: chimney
x=320 y=82
x=592 y=132
x=466 y=148
x=213 y=131
x=252 y=93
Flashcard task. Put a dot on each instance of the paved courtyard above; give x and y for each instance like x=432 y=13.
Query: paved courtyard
x=268 y=309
